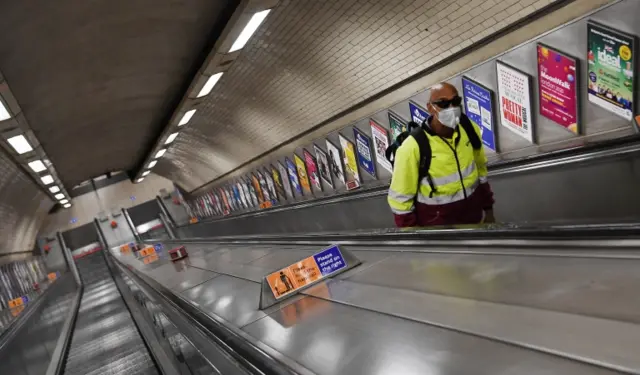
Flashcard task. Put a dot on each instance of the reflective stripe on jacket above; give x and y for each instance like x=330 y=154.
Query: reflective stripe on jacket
x=456 y=171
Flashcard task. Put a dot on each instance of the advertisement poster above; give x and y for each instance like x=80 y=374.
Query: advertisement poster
x=397 y=125
x=257 y=189
x=236 y=195
x=514 y=95
x=557 y=75
x=244 y=194
x=293 y=176
x=365 y=157
x=351 y=173
x=302 y=173
x=478 y=106
x=286 y=182
x=335 y=161
x=418 y=114
x=266 y=193
x=380 y=144
x=611 y=69
x=237 y=188
x=323 y=165
x=272 y=186
x=277 y=180
x=252 y=192
x=312 y=169
x=226 y=207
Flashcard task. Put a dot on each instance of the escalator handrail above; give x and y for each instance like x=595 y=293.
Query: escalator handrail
x=239 y=346
x=580 y=154
x=624 y=235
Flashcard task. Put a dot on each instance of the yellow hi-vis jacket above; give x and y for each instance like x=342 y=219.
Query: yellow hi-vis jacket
x=458 y=173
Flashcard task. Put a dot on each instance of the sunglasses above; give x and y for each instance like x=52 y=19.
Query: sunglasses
x=445 y=103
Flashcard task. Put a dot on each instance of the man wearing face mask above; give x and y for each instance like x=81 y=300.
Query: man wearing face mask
x=441 y=179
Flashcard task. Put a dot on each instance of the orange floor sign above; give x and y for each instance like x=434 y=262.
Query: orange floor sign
x=52 y=276
x=147 y=251
x=305 y=272
x=150 y=259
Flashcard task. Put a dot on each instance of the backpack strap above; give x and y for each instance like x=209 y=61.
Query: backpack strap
x=425 y=157
x=468 y=127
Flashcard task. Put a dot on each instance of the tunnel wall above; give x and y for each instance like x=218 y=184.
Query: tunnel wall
x=596 y=124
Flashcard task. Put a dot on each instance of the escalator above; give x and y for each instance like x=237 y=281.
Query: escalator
x=105 y=338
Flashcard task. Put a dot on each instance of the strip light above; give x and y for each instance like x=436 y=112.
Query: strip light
x=248 y=31
x=171 y=138
x=20 y=144
x=152 y=164
x=59 y=196
x=187 y=117
x=139 y=180
x=4 y=114
x=211 y=82
x=67 y=205
x=54 y=189
x=37 y=166
x=64 y=201
x=47 y=180
x=145 y=173
x=160 y=153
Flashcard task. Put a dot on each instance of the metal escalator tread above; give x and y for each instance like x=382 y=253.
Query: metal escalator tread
x=105 y=339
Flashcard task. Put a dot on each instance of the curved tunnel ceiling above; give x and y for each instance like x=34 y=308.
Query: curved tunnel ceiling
x=97 y=80
x=311 y=60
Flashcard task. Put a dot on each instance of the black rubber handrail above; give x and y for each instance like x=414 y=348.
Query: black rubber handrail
x=581 y=154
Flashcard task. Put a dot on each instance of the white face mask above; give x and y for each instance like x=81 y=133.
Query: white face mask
x=450 y=117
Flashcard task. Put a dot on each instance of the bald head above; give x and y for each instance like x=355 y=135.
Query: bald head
x=443 y=90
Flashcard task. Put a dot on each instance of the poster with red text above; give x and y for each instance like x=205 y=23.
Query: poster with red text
x=514 y=93
x=312 y=169
x=558 y=88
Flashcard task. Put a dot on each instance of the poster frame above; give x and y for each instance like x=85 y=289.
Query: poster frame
x=302 y=165
x=374 y=172
x=357 y=178
x=634 y=44
x=579 y=88
x=393 y=115
x=340 y=162
x=380 y=159
x=410 y=103
x=319 y=150
x=295 y=176
x=534 y=127
x=494 y=108
x=314 y=160
x=286 y=181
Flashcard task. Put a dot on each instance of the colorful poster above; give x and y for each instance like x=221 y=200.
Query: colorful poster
x=312 y=169
x=380 y=144
x=257 y=189
x=365 y=157
x=397 y=126
x=236 y=196
x=335 y=161
x=611 y=69
x=302 y=173
x=514 y=95
x=557 y=75
x=226 y=207
x=277 y=180
x=352 y=175
x=418 y=114
x=323 y=165
x=264 y=187
x=243 y=194
x=293 y=175
x=252 y=191
x=272 y=186
x=286 y=182
x=478 y=106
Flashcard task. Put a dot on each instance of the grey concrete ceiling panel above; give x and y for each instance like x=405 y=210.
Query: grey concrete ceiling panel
x=98 y=79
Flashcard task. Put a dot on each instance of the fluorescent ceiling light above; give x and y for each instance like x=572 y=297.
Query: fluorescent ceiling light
x=48 y=179
x=187 y=117
x=248 y=31
x=54 y=189
x=59 y=196
x=67 y=205
x=4 y=114
x=160 y=153
x=37 y=166
x=64 y=201
x=145 y=173
x=152 y=164
x=20 y=144
x=211 y=82
x=139 y=180
x=171 y=138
